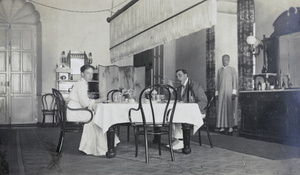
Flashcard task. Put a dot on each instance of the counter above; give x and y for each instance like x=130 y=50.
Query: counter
x=271 y=114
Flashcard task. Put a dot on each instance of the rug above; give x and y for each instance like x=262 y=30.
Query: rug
x=31 y=151
x=269 y=150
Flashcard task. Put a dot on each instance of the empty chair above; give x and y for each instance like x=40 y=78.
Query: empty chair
x=49 y=107
x=210 y=98
x=111 y=94
x=65 y=125
x=110 y=97
x=153 y=118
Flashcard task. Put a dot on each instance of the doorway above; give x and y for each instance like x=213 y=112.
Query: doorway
x=18 y=63
x=153 y=60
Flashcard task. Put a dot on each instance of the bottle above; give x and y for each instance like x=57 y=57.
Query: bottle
x=283 y=84
x=259 y=86
x=263 y=86
x=267 y=85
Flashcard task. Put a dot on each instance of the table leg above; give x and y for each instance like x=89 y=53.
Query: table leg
x=157 y=138
x=111 y=152
x=186 y=138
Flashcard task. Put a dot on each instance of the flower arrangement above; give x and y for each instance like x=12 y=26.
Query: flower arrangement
x=147 y=92
x=127 y=93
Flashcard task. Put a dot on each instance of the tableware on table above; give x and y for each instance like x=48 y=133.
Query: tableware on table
x=131 y=100
x=162 y=98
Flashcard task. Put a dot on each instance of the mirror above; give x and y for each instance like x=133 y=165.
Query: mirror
x=75 y=64
x=281 y=49
x=75 y=60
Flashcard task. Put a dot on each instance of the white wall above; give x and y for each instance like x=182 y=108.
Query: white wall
x=64 y=31
x=226 y=39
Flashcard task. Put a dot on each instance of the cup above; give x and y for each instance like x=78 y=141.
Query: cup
x=272 y=87
x=162 y=98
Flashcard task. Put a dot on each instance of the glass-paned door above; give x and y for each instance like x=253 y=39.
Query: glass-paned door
x=158 y=68
x=18 y=74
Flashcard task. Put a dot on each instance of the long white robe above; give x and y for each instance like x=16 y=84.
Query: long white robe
x=226 y=85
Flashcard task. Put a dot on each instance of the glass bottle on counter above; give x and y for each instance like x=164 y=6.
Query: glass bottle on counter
x=267 y=85
x=263 y=86
x=259 y=86
x=283 y=84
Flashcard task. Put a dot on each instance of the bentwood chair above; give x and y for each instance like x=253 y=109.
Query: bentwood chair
x=49 y=107
x=153 y=120
x=210 y=98
x=65 y=125
x=111 y=94
x=110 y=97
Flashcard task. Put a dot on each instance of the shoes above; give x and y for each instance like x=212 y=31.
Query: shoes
x=174 y=143
x=222 y=130
x=177 y=144
x=230 y=131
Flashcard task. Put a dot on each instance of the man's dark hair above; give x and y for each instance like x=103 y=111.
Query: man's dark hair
x=85 y=67
x=226 y=56
x=182 y=70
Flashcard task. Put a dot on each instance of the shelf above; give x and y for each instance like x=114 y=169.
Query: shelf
x=66 y=81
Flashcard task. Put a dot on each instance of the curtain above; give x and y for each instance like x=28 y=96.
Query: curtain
x=210 y=58
x=150 y=23
x=210 y=73
x=245 y=59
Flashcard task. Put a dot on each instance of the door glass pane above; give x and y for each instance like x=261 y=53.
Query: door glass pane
x=27 y=61
x=3 y=42
x=15 y=61
x=27 y=39
x=3 y=110
x=2 y=83
x=27 y=84
x=16 y=39
x=15 y=83
x=3 y=61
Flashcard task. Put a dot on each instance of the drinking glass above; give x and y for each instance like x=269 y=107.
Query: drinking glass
x=162 y=98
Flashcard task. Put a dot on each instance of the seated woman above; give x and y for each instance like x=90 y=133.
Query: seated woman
x=93 y=141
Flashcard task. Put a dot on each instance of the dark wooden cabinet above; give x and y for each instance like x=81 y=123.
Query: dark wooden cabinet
x=271 y=114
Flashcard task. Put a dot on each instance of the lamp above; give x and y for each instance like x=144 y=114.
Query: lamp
x=255 y=44
x=90 y=58
x=63 y=59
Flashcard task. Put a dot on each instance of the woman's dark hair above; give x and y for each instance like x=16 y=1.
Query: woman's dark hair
x=182 y=70
x=85 y=67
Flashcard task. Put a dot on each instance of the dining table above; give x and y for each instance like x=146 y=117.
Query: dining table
x=109 y=115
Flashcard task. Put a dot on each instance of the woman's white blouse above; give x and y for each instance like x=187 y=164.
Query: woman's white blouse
x=78 y=98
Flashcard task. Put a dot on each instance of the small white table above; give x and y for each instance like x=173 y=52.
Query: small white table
x=110 y=114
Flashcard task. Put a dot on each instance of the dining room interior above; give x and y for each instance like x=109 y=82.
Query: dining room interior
x=136 y=44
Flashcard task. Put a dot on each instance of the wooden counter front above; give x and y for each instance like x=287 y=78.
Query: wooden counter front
x=273 y=114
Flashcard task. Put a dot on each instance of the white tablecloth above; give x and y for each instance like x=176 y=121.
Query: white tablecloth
x=108 y=114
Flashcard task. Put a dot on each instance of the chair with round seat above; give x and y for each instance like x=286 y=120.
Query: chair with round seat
x=49 y=107
x=156 y=121
x=210 y=98
x=65 y=125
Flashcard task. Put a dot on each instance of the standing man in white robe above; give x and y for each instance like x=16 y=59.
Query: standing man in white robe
x=226 y=90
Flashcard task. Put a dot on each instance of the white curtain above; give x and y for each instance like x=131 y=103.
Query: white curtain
x=149 y=23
